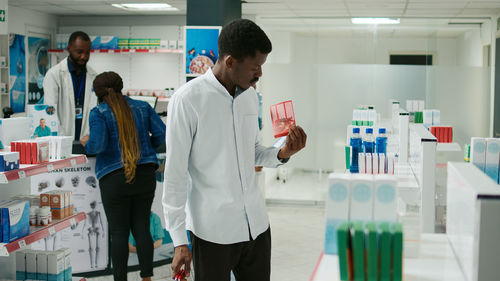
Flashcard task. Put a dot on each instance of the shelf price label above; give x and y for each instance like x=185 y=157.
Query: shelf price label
x=22 y=244
x=52 y=231
x=72 y=221
x=22 y=174
x=73 y=162
x=50 y=167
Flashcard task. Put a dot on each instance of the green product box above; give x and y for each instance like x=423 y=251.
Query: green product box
x=371 y=242
x=467 y=153
x=354 y=122
x=123 y=43
x=358 y=247
x=154 y=43
x=344 y=251
x=385 y=251
x=370 y=123
x=347 y=157
x=419 y=117
x=397 y=252
x=135 y=43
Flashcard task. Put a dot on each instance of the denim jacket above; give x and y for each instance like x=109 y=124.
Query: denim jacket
x=103 y=140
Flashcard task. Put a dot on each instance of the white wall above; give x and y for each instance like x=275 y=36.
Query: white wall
x=470 y=49
x=327 y=74
x=26 y=22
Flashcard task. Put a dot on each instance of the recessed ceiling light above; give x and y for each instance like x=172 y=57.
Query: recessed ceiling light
x=375 y=20
x=146 y=7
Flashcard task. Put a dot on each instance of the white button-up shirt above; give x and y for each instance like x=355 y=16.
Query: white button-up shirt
x=213 y=146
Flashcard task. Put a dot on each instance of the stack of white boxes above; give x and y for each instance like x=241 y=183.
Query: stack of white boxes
x=485 y=154
x=44 y=265
x=358 y=197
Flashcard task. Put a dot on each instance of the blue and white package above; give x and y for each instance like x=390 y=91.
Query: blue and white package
x=41 y=265
x=492 y=158
x=55 y=266
x=68 y=271
x=15 y=220
x=337 y=208
x=361 y=205
x=108 y=42
x=21 y=265
x=31 y=269
x=95 y=42
x=9 y=161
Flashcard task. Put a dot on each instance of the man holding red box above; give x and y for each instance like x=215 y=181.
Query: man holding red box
x=210 y=187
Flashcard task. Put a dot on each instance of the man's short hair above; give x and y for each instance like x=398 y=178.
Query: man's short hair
x=242 y=38
x=41 y=119
x=78 y=34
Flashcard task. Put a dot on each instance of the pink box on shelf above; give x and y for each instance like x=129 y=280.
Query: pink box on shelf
x=282 y=116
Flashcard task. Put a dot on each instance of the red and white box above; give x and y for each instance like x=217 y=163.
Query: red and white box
x=282 y=117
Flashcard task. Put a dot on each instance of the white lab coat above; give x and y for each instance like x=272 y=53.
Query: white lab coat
x=58 y=90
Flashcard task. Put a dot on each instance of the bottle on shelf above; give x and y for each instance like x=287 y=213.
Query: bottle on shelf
x=356 y=148
x=381 y=141
x=369 y=141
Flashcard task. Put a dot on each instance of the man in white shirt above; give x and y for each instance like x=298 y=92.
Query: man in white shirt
x=213 y=146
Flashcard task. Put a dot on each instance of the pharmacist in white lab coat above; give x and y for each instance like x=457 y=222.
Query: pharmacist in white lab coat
x=69 y=86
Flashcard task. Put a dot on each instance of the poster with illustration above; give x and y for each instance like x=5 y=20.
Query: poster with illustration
x=163 y=245
x=201 y=48
x=43 y=120
x=17 y=72
x=88 y=239
x=38 y=65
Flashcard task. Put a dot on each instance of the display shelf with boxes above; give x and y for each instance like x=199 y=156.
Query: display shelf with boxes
x=127 y=51
x=30 y=170
x=436 y=262
x=38 y=233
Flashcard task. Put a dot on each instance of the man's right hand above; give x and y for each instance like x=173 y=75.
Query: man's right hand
x=182 y=256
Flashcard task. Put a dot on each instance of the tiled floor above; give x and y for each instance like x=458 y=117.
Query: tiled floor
x=297 y=234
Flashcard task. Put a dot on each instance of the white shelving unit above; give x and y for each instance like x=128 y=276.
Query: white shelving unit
x=31 y=170
x=4 y=72
x=18 y=182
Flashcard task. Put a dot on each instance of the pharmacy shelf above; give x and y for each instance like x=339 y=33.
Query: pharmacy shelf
x=128 y=51
x=448 y=147
x=436 y=262
x=164 y=99
x=30 y=170
x=40 y=233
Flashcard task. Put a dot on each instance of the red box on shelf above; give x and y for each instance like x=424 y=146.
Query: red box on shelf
x=282 y=116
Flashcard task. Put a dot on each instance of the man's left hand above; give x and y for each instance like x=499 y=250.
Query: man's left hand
x=295 y=141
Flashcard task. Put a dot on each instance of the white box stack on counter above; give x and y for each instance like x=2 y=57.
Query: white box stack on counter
x=337 y=208
x=44 y=265
x=12 y=129
x=358 y=197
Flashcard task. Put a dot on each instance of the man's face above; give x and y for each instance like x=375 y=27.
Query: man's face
x=79 y=52
x=42 y=123
x=247 y=72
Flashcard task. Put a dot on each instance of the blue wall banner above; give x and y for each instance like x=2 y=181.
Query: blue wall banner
x=38 y=65
x=17 y=71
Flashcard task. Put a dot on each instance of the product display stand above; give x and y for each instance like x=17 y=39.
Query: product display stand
x=18 y=182
x=436 y=262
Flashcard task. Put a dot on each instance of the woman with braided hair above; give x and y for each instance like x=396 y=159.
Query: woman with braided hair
x=123 y=135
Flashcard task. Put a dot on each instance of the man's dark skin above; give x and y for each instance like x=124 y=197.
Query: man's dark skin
x=79 y=54
x=243 y=74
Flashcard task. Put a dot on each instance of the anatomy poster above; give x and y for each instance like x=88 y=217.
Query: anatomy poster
x=88 y=239
x=38 y=65
x=201 y=48
x=17 y=72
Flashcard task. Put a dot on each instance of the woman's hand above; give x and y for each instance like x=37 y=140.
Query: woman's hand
x=84 y=140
